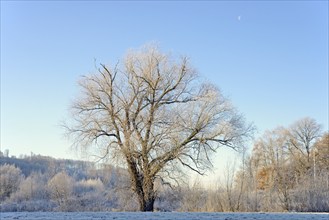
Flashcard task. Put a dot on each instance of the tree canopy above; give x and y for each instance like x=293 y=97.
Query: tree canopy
x=152 y=112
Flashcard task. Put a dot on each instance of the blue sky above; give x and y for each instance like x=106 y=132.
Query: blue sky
x=269 y=57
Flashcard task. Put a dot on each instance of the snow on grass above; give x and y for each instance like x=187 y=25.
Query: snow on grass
x=158 y=216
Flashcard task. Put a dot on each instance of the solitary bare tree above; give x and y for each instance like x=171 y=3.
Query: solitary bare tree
x=150 y=112
x=303 y=134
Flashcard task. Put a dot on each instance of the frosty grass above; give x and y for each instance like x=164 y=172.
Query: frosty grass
x=157 y=215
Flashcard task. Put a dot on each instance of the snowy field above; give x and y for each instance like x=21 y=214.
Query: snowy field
x=157 y=216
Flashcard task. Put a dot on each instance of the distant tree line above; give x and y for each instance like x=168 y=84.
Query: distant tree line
x=39 y=183
x=287 y=170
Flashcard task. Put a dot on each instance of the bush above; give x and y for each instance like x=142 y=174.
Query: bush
x=61 y=189
x=11 y=177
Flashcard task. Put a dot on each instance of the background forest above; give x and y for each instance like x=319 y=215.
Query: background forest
x=286 y=169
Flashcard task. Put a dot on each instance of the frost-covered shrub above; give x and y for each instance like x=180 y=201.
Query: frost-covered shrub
x=168 y=200
x=34 y=187
x=194 y=199
x=10 y=178
x=126 y=200
x=313 y=195
x=89 y=196
x=61 y=189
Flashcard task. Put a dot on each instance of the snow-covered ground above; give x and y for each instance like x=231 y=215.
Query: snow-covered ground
x=157 y=216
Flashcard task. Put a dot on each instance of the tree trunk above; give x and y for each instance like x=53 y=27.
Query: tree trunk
x=142 y=185
x=146 y=205
x=146 y=196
